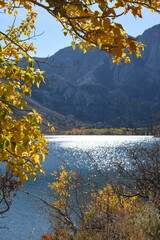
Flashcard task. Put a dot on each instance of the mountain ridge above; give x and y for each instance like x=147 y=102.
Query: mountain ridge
x=96 y=90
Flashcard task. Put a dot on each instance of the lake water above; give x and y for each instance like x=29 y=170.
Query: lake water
x=26 y=219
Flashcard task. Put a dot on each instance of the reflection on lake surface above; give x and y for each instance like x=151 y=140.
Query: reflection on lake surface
x=26 y=219
x=83 y=151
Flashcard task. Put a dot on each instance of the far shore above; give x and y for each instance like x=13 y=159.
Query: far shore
x=105 y=131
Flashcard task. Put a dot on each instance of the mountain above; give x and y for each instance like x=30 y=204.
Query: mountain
x=93 y=89
x=59 y=121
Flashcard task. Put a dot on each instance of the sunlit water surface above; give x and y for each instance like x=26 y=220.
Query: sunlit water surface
x=26 y=219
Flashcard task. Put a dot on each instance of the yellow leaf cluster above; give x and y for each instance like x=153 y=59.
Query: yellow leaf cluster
x=22 y=145
x=91 y=28
x=62 y=187
x=106 y=202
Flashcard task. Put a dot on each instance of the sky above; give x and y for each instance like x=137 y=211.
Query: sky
x=53 y=38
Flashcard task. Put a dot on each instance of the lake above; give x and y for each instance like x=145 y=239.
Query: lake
x=26 y=219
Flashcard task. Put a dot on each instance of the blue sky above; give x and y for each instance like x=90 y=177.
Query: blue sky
x=53 y=38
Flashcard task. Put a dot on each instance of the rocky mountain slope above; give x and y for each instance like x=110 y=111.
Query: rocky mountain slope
x=97 y=91
x=59 y=121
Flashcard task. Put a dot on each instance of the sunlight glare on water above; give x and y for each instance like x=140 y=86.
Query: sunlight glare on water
x=88 y=142
x=86 y=151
